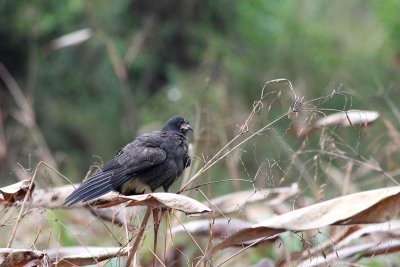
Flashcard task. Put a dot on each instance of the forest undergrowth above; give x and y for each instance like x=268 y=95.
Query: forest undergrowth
x=325 y=192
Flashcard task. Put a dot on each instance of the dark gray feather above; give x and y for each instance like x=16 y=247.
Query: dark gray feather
x=156 y=159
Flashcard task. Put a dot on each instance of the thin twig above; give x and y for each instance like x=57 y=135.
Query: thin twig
x=215 y=182
x=139 y=236
x=215 y=160
x=377 y=168
x=209 y=241
x=28 y=194
x=212 y=204
x=156 y=225
x=243 y=249
x=191 y=237
x=156 y=257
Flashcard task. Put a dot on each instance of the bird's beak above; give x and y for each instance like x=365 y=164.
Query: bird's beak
x=186 y=127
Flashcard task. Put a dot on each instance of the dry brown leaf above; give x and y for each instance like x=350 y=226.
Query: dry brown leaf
x=372 y=206
x=391 y=227
x=348 y=118
x=10 y=257
x=220 y=228
x=353 y=253
x=54 y=197
x=81 y=256
x=379 y=231
x=15 y=191
x=161 y=200
x=232 y=202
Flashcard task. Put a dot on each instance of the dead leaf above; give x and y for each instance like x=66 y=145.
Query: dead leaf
x=15 y=191
x=10 y=257
x=81 y=256
x=372 y=206
x=54 y=197
x=235 y=201
x=353 y=253
x=348 y=118
x=220 y=228
x=390 y=227
x=380 y=230
x=161 y=200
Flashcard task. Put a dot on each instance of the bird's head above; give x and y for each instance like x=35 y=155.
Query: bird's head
x=177 y=124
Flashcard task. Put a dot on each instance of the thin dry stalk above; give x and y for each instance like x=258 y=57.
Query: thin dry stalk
x=217 y=182
x=156 y=225
x=209 y=241
x=212 y=204
x=80 y=241
x=156 y=258
x=139 y=236
x=28 y=194
x=217 y=157
x=191 y=237
x=371 y=165
x=243 y=249
x=320 y=248
x=299 y=165
x=194 y=241
x=225 y=150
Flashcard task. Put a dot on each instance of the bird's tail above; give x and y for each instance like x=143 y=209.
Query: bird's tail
x=97 y=185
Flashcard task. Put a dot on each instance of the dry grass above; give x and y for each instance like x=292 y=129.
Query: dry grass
x=281 y=140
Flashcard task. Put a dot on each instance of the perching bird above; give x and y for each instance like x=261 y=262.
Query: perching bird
x=151 y=161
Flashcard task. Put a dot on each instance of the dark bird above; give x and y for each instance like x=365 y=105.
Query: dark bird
x=152 y=160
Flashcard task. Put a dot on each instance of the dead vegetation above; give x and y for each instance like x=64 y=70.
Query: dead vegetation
x=308 y=205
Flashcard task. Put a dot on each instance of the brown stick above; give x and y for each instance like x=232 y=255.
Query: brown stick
x=139 y=236
x=156 y=225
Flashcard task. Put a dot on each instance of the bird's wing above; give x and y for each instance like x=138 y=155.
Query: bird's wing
x=136 y=159
x=133 y=159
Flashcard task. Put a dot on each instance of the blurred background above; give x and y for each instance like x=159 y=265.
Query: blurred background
x=80 y=79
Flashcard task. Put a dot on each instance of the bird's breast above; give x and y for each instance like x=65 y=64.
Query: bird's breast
x=134 y=186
